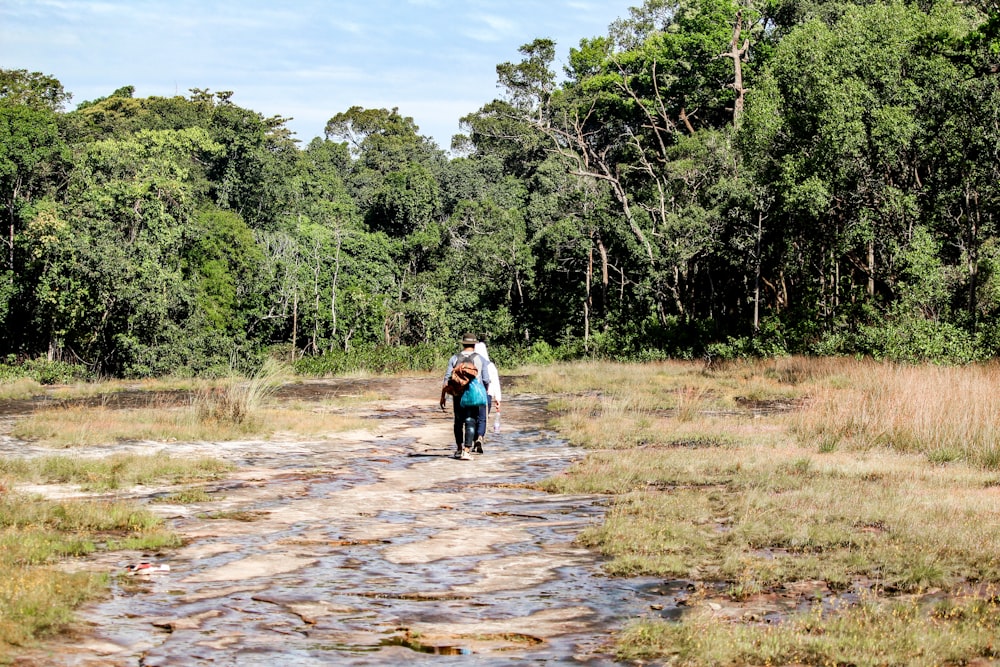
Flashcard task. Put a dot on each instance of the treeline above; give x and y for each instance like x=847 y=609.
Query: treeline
x=709 y=178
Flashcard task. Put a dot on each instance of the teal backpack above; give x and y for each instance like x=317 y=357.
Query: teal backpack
x=474 y=395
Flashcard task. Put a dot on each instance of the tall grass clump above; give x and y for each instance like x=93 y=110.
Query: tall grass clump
x=947 y=413
x=238 y=399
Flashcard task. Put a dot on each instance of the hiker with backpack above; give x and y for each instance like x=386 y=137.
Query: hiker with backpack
x=463 y=381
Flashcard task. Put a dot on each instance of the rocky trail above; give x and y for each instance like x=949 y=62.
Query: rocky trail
x=364 y=548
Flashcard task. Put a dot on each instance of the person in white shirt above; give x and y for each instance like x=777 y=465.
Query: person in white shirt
x=463 y=414
x=491 y=378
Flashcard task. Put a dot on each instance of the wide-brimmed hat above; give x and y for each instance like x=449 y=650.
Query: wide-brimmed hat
x=469 y=339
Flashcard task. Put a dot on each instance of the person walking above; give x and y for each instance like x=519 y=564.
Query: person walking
x=491 y=378
x=466 y=417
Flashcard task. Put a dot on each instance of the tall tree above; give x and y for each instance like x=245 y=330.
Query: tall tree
x=841 y=129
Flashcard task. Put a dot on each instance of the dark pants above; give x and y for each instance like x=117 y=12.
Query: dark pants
x=484 y=413
x=460 y=416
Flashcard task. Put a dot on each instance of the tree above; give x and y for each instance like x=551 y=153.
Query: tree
x=34 y=90
x=252 y=174
x=31 y=154
x=406 y=201
x=650 y=122
x=117 y=244
x=842 y=129
x=222 y=261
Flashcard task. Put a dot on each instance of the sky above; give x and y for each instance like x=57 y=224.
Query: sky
x=307 y=59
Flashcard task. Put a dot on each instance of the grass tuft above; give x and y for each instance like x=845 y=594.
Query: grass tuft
x=237 y=401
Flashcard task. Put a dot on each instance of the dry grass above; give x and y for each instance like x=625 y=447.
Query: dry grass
x=236 y=401
x=37 y=596
x=944 y=413
x=20 y=388
x=880 y=476
x=761 y=516
x=871 y=634
x=97 y=425
x=27 y=387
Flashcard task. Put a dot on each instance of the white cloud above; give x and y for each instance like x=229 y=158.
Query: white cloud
x=329 y=73
x=348 y=26
x=488 y=28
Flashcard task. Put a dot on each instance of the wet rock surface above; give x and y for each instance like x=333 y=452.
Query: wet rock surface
x=371 y=547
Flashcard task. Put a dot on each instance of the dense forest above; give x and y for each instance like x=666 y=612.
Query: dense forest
x=710 y=178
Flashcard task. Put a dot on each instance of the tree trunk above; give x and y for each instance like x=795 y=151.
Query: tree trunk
x=972 y=206
x=316 y=306
x=587 y=301
x=871 y=268
x=737 y=53
x=605 y=279
x=295 y=322
x=333 y=294
x=756 y=272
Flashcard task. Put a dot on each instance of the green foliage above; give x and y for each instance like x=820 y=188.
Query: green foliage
x=44 y=372
x=910 y=337
x=769 y=341
x=376 y=359
x=405 y=202
x=34 y=90
x=222 y=260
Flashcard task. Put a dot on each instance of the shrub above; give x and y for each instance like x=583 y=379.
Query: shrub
x=375 y=359
x=44 y=371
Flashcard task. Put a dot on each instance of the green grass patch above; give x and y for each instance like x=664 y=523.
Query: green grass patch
x=763 y=517
x=36 y=596
x=116 y=471
x=37 y=601
x=20 y=388
x=870 y=634
x=186 y=497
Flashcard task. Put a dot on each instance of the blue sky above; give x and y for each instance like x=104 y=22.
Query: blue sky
x=309 y=59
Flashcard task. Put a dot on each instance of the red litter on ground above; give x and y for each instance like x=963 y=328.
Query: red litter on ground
x=147 y=568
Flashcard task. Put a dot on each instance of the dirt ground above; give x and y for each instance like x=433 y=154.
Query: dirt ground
x=367 y=547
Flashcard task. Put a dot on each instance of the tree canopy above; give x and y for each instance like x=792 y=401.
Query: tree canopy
x=710 y=177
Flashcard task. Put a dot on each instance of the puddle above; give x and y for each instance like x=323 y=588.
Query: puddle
x=415 y=645
x=338 y=552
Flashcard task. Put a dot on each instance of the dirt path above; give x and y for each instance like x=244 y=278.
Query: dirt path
x=372 y=547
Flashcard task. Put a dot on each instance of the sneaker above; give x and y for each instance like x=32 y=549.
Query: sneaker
x=477 y=447
x=464 y=456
